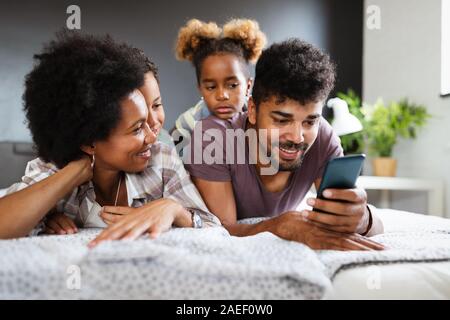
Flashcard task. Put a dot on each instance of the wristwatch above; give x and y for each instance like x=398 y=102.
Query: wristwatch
x=196 y=220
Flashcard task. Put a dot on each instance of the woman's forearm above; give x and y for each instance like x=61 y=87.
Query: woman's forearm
x=182 y=217
x=21 y=211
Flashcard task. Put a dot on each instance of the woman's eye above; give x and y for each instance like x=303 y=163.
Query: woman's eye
x=157 y=105
x=234 y=85
x=210 y=88
x=137 y=130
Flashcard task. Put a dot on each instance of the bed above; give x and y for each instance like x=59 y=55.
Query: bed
x=211 y=264
x=401 y=279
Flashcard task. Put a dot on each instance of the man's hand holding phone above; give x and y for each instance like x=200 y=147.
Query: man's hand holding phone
x=341 y=210
x=341 y=206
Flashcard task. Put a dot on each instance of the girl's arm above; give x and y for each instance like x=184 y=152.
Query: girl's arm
x=21 y=211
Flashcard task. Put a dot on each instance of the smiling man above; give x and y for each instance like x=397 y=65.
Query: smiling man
x=292 y=82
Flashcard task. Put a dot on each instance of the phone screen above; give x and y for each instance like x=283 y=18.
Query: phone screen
x=341 y=173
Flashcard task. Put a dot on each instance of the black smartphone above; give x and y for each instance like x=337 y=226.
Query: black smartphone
x=341 y=173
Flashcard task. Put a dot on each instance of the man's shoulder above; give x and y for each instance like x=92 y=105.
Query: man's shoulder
x=325 y=129
x=326 y=137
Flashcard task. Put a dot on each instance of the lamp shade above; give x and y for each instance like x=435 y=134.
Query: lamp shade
x=344 y=122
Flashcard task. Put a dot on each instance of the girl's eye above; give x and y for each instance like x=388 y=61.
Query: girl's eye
x=234 y=85
x=156 y=106
x=209 y=88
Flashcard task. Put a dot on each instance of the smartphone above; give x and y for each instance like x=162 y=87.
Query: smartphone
x=341 y=173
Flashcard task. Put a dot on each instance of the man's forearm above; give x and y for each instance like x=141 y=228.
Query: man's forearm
x=377 y=225
x=243 y=230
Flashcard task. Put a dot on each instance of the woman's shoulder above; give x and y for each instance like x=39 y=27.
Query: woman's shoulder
x=166 y=138
x=162 y=156
x=188 y=119
x=35 y=171
x=39 y=165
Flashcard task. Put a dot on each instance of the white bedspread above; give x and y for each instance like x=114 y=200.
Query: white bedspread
x=202 y=264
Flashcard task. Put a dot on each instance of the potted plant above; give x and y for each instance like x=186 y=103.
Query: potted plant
x=382 y=125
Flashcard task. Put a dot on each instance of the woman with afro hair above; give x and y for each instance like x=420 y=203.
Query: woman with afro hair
x=94 y=111
x=221 y=58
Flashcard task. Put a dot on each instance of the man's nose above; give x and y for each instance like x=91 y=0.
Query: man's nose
x=296 y=134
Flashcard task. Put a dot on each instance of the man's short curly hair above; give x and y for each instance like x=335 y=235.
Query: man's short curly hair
x=293 y=69
x=72 y=95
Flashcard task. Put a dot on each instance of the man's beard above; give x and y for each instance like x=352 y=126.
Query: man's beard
x=275 y=160
x=294 y=164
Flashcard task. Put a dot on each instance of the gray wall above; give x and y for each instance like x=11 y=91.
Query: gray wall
x=152 y=25
x=402 y=59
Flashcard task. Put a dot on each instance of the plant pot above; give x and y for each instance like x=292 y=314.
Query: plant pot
x=384 y=167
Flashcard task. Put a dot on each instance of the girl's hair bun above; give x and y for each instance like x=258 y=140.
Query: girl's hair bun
x=191 y=36
x=246 y=32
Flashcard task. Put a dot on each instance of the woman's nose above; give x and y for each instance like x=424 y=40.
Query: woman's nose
x=152 y=121
x=150 y=135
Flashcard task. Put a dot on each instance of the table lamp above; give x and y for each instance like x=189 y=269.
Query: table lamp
x=344 y=122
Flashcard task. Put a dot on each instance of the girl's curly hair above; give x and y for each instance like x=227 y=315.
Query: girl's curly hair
x=197 y=40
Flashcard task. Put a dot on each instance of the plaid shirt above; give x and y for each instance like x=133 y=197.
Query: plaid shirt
x=186 y=122
x=165 y=177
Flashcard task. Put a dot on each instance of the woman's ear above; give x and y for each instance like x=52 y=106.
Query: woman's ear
x=249 y=86
x=251 y=111
x=90 y=150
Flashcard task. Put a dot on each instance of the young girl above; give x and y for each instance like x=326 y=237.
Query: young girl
x=221 y=59
x=93 y=108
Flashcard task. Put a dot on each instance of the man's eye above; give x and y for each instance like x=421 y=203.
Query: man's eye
x=310 y=123
x=282 y=121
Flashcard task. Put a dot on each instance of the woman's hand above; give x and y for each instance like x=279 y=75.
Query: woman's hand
x=59 y=223
x=153 y=218
x=83 y=166
x=111 y=215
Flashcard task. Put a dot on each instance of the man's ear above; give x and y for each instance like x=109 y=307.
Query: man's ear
x=90 y=150
x=251 y=111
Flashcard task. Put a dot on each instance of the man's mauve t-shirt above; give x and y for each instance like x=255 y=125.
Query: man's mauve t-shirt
x=252 y=199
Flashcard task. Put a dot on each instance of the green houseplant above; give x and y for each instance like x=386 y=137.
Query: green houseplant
x=382 y=124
